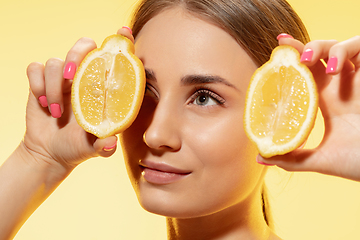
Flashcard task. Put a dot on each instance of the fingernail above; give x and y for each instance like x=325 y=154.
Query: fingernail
x=262 y=163
x=127 y=28
x=43 y=101
x=284 y=35
x=69 y=71
x=108 y=149
x=55 y=110
x=331 y=65
x=307 y=55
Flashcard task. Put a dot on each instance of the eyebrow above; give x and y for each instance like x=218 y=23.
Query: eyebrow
x=193 y=79
x=203 y=79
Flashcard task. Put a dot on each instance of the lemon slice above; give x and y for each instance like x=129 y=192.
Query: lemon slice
x=281 y=103
x=108 y=88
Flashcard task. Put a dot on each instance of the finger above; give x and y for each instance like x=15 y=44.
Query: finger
x=286 y=39
x=35 y=73
x=105 y=147
x=316 y=50
x=126 y=32
x=344 y=54
x=53 y=84
x=295 y=161
x=311 y=57
x=73 y=59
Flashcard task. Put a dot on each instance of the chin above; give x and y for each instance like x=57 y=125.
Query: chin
x=161 y=200
x=171 y=210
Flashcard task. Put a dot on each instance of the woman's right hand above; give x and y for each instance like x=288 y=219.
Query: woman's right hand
x=53 y=145
x=52 y=133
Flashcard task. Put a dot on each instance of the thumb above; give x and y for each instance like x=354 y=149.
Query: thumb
x=127 y=32
x=105 y=147
x=295 y=161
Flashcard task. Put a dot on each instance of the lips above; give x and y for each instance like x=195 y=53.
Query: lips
x=162 y=173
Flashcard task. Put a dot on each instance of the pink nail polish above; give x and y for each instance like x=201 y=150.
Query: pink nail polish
x=262 y=163
x=108 y=149
x=55 y=110
x=284 y=35
x=69 y=71
x=127 y=28
x=332 y=65
x=307 y=55
x=43 y=101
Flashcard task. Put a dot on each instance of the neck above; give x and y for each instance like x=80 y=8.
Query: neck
x=241 y=221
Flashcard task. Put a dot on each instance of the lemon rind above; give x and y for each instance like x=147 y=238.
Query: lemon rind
x=113 y=45
x=285 y=56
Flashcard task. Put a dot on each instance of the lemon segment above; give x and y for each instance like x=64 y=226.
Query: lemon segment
x=108 y=88
x=92 y=92
x=281 y=103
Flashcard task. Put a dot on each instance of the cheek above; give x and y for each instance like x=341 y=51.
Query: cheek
x=132 y=143
x=132 y=138
x=226 y=156
x=224 y=148
x=221 y=138
x=128 y=148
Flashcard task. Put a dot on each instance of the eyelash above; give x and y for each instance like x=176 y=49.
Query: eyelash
x=207 y=92
x=198 y=92
x=150 y=88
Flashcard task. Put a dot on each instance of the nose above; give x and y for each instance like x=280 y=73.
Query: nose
x=164 y=130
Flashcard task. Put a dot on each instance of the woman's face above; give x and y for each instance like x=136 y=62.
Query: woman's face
x=187 y=154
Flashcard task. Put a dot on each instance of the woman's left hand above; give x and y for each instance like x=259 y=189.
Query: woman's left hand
x=339 y=99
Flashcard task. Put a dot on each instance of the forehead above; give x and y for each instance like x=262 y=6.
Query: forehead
x=186 y=44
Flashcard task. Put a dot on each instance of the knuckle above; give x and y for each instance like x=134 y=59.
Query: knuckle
x=86 y=40
x=83 y=45
x=54 y=63
x=337 y=48
x=36 y=87
x=73 y=54
x=357 y=38
x=314 y=43
x=34 y=67
x=35 y=73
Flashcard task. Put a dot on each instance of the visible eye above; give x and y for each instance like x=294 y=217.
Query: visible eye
x=205 y=97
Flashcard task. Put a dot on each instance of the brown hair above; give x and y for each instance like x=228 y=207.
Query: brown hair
x=254 y=24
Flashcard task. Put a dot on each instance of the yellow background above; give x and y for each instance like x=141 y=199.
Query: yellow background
x=97 y=201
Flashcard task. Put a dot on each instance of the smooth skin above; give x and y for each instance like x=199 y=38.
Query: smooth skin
x=52 y=148
x=191 y=120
